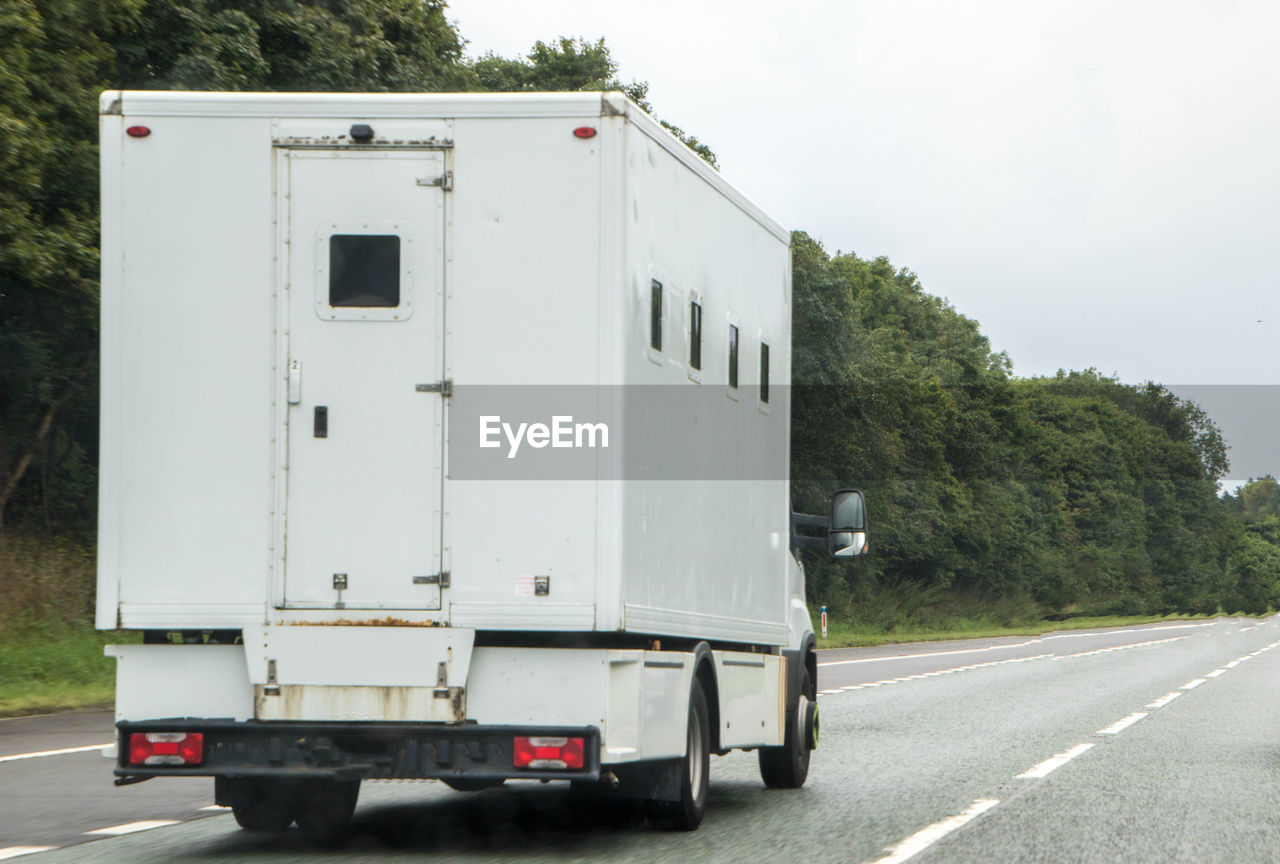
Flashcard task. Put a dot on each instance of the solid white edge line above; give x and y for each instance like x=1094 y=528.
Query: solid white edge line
x=1053 y=762
x=131 y=827
x=218 y=807
x=1193 y=684
x=1122 y=724
x=1164 y=700
x=41 y=753
x=15 y=851
x=926 y=837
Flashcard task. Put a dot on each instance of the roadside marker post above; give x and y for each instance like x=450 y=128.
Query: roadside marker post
x=824 y=622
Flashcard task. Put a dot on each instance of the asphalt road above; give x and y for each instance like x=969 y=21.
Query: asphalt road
x=1153 y=743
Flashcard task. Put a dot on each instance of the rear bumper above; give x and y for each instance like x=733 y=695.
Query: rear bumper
x=392 y=751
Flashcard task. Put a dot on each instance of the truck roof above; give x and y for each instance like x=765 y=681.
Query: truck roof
x=180 y=103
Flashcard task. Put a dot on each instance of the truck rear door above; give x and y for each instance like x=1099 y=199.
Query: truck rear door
x=361 y=253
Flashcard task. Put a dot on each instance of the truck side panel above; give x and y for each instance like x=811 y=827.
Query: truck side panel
x=705 y=558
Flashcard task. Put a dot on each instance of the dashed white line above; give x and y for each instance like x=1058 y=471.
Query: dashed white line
x=41 y=753
x=1122 y=724
x=1192 y=684
x=1053 y=762
x=132 y=827
x=1215 y=673
x=15 y=851
x=1164 y=700
x=926 y=837
x=1234 y=663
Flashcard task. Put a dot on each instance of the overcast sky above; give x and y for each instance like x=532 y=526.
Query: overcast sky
x=1097 y=183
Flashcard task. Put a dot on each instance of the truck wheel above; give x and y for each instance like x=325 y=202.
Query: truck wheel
x=787 y=767
x=262 y=816
x=258 y=803
x=327 y=808
x=695 y=770
x=472 y=784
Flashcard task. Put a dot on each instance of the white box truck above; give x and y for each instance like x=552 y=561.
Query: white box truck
x=344 y=500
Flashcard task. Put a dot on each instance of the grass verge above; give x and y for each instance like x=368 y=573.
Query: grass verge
x=50 y=656
x=47 y=666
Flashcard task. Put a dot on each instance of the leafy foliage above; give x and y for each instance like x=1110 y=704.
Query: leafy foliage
x=1050 y=493
x=570 y=64
x=59 y=54
x=1074 y=489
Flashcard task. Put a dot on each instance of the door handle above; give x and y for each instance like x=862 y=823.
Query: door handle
x=295 y=382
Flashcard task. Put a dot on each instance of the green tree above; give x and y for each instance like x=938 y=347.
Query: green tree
x=569 y=65
x=375 y=45
x=56 y=54
x=1256 y=499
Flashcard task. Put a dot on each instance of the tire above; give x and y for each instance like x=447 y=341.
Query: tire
x=327 y=808
x=262 y=805
x=472 y=784
x=695 y=770
x=787 y=767
x=262 y=817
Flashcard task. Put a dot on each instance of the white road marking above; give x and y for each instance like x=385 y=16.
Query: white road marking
x=1193 y=684
x=1134 y=630
x=1122 y=724
x=1053 y=762
x=1164 y=700
x=928 y=654
x=15 y=851
x=926 y=837
x=1118 y=648
x=1234 y=663
x=131 y=827
x=55 y=752
x=1215 y=673
x=1015 y=644
x=217 y=807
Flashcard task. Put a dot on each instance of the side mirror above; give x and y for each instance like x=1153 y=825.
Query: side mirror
x=847 y=528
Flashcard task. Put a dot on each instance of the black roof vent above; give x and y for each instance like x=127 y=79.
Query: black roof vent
x=361 y=132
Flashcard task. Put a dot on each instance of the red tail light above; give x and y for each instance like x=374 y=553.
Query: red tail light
x=556 y=753
x=138 y=131
x=166 y=748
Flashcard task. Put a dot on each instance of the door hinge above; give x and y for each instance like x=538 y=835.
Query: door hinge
x=441 y=579
x=444 y=388
x=444 y=181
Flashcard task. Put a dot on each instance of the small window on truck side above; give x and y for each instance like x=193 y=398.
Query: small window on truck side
x=764 y=372
x=364 y=270
x=655 y=315
x=733 y=356
x=695 y=334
